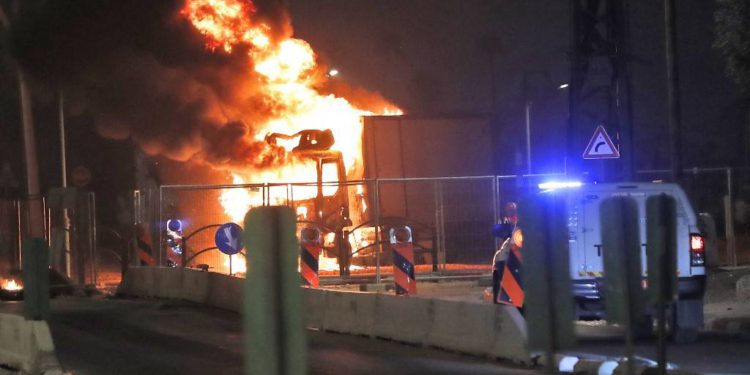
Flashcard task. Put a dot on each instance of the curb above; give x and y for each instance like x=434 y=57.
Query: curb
x=740 y=327
x=600 y=365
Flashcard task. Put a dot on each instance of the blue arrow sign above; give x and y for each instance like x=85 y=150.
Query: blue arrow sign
x=228 y=238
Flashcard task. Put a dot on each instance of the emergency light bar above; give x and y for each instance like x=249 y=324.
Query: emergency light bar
x=552 y=185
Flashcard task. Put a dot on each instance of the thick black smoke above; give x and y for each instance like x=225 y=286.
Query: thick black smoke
x=142 y=71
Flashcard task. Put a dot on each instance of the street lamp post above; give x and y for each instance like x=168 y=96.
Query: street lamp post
x=528 y=107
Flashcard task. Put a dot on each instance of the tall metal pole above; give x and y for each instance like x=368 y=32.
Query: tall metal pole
x=35 y=209
x=64 y=168
x=673 y=86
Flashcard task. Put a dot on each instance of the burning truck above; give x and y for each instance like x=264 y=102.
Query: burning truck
x=293 y=125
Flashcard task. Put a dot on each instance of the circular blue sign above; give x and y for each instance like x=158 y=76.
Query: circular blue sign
x=228 y=238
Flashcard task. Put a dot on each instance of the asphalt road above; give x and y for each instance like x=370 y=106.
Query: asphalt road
x=712 y=353
x=120 y=336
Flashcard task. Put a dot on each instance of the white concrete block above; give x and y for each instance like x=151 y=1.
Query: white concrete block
x=26 y=345
x=462 y=326
x=402 y=318
x=314 y=301
x=349 y=312
x=168 y=282
x=143 y=281
x=194 y=286
x=743 y=288
x=225 y=292
x=510 y=335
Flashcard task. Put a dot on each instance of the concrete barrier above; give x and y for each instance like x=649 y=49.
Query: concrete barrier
x=743 y=288
x=510 y=335
x=168 y=282
x=195 y=285
x=349 y=312
x=314 y=301
x=401 y=318
x=27 y=346
x=474 y=328
x=463 y=327
x=225 y=292
x=139 y=281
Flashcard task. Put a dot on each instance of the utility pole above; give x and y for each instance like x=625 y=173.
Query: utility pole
x=63 y=161
x=35 y=208
x=673 y=89
x=599 y=85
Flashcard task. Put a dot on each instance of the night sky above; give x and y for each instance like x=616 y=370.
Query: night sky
x=442 y=57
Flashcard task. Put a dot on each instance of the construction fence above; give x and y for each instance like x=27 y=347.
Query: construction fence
x=69 y=229
x=451 y=218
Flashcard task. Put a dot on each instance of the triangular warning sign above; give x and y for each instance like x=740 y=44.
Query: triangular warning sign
x=601 y=146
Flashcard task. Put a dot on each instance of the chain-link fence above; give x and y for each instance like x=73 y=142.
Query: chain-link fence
x=69 y=228
x=451 y=219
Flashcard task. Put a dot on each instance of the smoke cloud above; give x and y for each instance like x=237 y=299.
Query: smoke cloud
x=142 y=72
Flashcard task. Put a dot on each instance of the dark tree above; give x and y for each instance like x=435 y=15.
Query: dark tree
x=733 y=40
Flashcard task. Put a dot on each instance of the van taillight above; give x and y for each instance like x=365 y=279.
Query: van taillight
x=697 y=250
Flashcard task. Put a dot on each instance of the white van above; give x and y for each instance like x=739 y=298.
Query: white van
x=586 y=262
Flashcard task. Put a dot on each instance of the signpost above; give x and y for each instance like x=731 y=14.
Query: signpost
x=228 y=239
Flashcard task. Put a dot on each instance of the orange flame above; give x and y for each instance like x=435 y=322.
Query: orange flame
x=11 y=285
x=289 y=72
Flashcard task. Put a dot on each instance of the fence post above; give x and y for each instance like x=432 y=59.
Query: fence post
x=441 y=227
x=160 y=245
x=376 y=218
x=729 y=221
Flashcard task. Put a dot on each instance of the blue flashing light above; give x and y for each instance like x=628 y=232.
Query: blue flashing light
x=553 y=185
x=174 y=225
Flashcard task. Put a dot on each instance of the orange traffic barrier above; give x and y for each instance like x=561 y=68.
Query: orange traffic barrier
x=511 y=289
x=310 y=254
x=403 y=260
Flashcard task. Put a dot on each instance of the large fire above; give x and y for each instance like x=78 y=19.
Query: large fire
x=290 y=75
x=290 y=72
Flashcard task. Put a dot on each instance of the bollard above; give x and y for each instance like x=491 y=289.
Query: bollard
x=275 y=342
x=35 y=279
x=661 y=247
x=548 y=301
x=403 y=260
x=621 y=248
x=309 y=255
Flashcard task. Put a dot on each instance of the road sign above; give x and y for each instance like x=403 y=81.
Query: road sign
x=600 y=146
x=228 y=238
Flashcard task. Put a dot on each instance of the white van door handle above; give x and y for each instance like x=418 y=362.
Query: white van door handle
x=598 y=250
